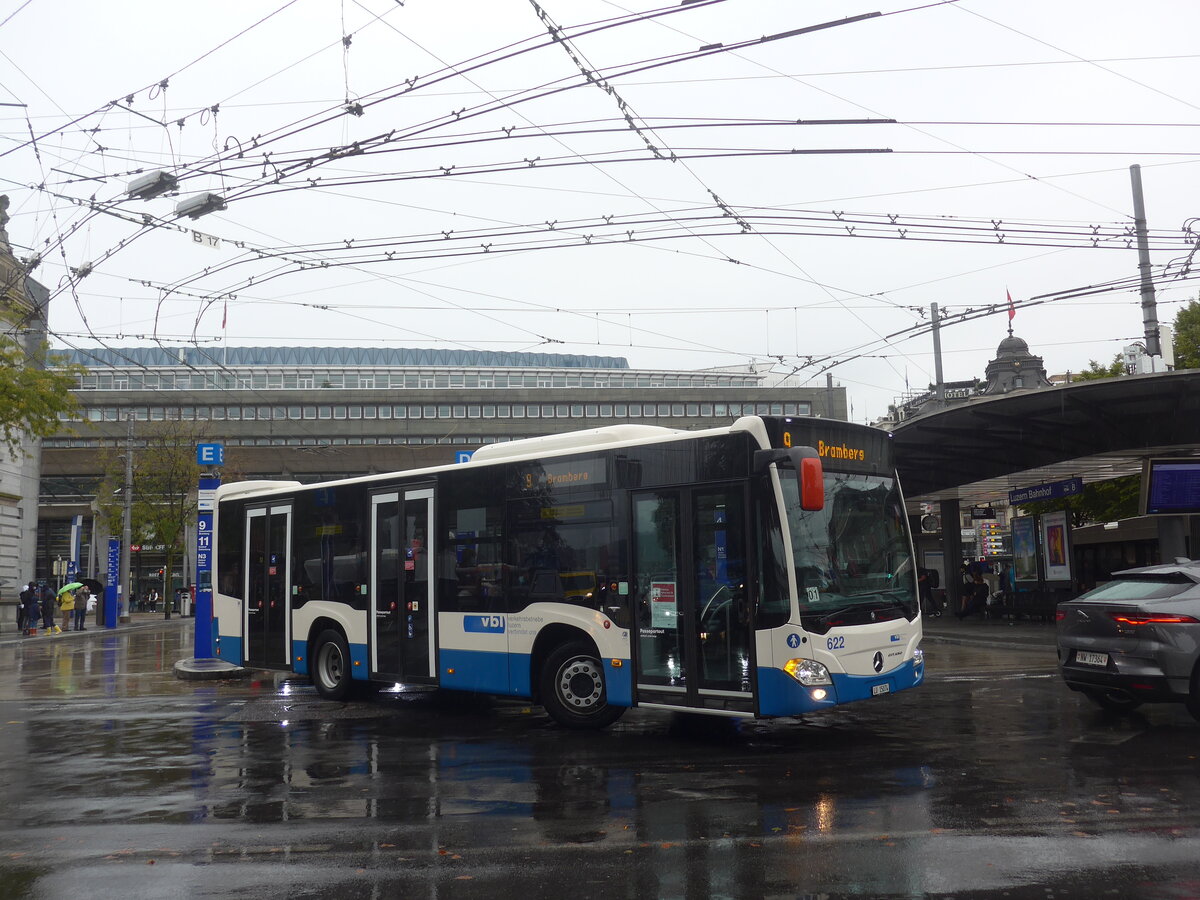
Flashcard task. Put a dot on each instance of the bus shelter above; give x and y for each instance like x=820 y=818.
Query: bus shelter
x=978 y=451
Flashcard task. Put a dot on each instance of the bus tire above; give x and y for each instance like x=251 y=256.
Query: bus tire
x=573 y=690
x=331 y=665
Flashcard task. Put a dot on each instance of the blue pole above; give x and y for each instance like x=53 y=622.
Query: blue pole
x=114 y=578
x=204 y=644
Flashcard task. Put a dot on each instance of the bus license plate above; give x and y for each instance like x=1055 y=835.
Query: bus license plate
x=1087 y=658
x=878 y=689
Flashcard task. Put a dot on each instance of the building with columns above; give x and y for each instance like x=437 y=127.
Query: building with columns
x=23 y=309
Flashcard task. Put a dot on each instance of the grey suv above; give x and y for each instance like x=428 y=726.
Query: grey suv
x=1135 y=639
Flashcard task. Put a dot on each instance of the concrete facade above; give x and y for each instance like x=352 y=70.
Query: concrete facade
x=23 y=307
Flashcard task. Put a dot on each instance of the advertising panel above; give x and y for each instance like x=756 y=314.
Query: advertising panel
x=1024 y=548
x=1056 y=555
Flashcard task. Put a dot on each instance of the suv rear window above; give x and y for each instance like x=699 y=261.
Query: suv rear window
x=1143 y=587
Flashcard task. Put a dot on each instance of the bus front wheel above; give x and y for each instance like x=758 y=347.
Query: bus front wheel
x=573 y=690
x=331 y=665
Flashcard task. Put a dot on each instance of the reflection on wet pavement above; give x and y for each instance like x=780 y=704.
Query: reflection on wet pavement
x=122 y=781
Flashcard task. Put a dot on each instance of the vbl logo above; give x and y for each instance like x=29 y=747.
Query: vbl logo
x=484 y=624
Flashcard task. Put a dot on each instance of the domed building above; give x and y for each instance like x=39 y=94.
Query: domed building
x=1014 y=369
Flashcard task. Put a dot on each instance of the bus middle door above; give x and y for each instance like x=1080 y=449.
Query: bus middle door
x=402 y=634
x=268 y=597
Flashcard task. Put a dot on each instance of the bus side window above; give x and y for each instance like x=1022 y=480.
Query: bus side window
x=470 y=567
x=568 y=563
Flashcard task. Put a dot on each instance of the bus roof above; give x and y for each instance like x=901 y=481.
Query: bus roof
x=607 y=437
x=573 y=440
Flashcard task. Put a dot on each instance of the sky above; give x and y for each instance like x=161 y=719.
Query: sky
x=713 y=184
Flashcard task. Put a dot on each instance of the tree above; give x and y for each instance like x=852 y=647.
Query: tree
x=1187 y=336
x=31 y=398
x=165 y=478
x=1100 y=501
x=1096 y=370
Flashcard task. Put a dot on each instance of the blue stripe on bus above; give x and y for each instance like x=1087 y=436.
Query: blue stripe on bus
x=360 y=669
x=509 y=674
x=300 y=657
x=618 y=683
x=230 y=647
x=782 y=695
x=518 y=675
x=480 y=670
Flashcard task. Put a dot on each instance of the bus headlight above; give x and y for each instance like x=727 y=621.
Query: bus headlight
x=807 y=671
x=918 y=658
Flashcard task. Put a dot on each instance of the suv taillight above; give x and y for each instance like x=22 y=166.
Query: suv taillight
x=1152 y=619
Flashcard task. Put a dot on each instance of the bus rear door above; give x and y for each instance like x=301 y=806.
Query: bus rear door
x=268 y=599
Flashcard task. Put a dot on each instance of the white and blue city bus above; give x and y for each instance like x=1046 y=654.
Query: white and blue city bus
x=764 y=568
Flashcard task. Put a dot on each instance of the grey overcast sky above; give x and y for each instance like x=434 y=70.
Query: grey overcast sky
x=654 y=182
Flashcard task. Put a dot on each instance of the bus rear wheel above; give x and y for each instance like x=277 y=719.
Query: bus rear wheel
x=331 y=665
x=573 y=689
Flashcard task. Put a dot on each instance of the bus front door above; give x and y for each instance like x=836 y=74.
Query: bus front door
x=693 y=598
x=268 y=600
x=402 y=585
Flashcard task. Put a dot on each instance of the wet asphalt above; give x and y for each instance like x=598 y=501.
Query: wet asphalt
x=991 y=780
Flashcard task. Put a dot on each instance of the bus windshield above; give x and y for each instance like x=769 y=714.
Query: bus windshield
x=853 y=558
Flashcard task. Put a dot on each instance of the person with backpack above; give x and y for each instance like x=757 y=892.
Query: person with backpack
x=82 y=600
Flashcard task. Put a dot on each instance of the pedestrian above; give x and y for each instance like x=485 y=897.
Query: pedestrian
x=29 y=608
x=23 y=609
x=925 y=592
x=978 y=596
x=66 y=603
x=46 y=602
x=83 y=600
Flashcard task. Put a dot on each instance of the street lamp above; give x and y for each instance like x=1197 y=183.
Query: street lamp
x=126 y=522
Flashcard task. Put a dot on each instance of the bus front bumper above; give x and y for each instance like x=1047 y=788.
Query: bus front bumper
x=781 y=695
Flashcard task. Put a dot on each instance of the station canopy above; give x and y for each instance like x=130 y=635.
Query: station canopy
x=980 y=450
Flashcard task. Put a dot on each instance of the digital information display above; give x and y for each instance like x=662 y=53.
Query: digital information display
x=1171 y=487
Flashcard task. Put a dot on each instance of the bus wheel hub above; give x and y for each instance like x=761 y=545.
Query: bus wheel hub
x=580 y=683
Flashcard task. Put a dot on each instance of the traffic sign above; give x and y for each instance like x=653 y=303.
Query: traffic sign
x=210 y=454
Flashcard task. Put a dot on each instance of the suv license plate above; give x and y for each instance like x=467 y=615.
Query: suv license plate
x=1087 y=658
x=877 y=689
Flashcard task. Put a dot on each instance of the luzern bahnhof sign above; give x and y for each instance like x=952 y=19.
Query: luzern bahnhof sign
x=1052 y=491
